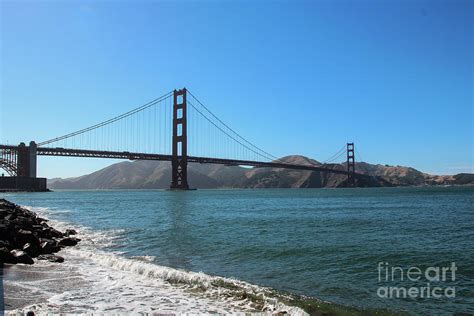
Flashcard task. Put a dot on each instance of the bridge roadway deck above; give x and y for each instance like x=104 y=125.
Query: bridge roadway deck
x=68 y=152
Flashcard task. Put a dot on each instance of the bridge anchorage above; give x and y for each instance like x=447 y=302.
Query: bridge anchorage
x=175 y=127
x=20 y=164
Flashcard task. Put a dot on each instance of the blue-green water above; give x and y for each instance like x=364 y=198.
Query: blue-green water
x=323 y=243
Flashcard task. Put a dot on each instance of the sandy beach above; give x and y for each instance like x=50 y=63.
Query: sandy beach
x=28 y=286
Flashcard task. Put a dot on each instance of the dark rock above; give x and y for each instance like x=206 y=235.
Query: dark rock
x=4 y=202
x=49 y=232
x=31 y=249
x=56 y=233
x=4 y=230
x=21 y=257
x=25 y=236
x=69 y=241
x=53 y=233
x=70 y=232
x=48 y=246
x=23 y=222
x=37 y=227
x=23 y=229
x=9 y=217
x=45 y=233
x=5 y=244
x=6 y=256
x=51 y=258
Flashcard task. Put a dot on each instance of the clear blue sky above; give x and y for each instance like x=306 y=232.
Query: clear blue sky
x=295 y=77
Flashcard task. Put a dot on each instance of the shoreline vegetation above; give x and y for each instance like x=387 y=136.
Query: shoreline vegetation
x=26 y=236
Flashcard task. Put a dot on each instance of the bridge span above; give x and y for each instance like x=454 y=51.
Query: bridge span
x=21 y=161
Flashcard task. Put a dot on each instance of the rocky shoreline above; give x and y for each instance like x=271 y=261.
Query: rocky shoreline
x=24 y=236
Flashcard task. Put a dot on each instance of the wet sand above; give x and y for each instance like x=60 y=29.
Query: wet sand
x=24 y=286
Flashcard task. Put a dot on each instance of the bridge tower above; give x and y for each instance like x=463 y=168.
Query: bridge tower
x=26 y=160
x=350 y=165
x=179 y=160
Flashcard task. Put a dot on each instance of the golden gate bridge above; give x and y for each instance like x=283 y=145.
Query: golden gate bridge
x=175 y=127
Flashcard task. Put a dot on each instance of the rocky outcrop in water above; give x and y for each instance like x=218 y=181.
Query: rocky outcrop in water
x=24 y=236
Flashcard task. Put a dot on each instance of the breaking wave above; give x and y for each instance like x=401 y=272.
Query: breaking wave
x=95 y=280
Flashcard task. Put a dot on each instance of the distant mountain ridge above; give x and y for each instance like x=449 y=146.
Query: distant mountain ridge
x=144 y=174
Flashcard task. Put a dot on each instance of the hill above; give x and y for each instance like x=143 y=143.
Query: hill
x=157 y=174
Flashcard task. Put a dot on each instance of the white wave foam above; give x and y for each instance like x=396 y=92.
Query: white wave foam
x=112 y=283
x=44 y=211
x=144 y=258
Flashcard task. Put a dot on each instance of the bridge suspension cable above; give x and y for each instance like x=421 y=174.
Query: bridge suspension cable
x=107 y=122
x=358 y=155
x=223 y=141
x=258 y=153
x=236 y=136
x=337 y=155
x=149 y=129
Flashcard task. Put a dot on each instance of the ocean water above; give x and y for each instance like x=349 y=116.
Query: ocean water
x=250 y=250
